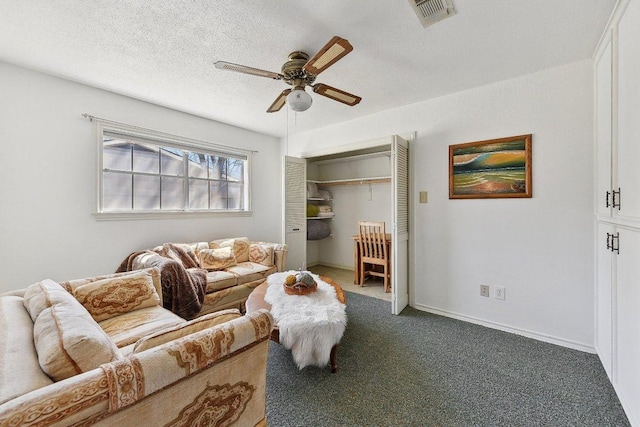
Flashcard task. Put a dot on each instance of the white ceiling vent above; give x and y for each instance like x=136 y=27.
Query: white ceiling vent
x=431 y=11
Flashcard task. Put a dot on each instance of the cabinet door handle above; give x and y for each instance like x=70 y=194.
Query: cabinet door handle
x=609 y=236
x=607 y=204
x=613 y=199
x=615 y=243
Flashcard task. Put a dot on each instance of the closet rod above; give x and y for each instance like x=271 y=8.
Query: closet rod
x=355 y=181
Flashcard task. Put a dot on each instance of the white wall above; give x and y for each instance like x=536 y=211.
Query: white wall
x=541 y=248
x=48 y=180
x=351 y=203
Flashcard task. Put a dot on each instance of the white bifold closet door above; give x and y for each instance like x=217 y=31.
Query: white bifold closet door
x=400 y=220
x=295 y=211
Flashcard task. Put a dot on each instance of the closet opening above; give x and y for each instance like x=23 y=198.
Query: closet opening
x=340 y=189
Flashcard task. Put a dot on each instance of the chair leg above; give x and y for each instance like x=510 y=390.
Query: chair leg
x=387 y=279
x=386 y=283
x=361 y=274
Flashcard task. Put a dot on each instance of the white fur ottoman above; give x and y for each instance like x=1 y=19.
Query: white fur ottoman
x=311 y=326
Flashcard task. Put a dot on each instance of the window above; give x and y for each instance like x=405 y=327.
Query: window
x=147 y=172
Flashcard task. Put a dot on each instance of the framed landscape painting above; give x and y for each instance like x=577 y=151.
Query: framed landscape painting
x=497 y=168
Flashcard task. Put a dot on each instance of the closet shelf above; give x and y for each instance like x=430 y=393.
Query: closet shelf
x=354 y=181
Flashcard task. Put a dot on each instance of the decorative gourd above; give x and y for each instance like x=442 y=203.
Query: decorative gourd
x=300 y=284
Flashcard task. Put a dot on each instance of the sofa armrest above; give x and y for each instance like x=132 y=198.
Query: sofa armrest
x=172 y=361
x=69 y=401
x=120 y=388
x=279 y=254
x=14 y=293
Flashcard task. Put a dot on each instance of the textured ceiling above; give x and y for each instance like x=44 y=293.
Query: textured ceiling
x=163 y=51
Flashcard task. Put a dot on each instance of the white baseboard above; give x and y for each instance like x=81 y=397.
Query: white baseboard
x=494 y=325
x=627 y=404
x=328 y=264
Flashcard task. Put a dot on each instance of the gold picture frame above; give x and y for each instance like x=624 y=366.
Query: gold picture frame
x=496 y=168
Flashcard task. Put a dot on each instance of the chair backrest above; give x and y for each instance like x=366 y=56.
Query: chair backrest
x=372 y=240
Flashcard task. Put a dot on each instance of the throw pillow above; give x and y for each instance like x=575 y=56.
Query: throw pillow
x=217 y=259
x=185 y=329
x=69 y=341
x=117 y=295
x=240 y=246
x=44 y=294
x=261 y=254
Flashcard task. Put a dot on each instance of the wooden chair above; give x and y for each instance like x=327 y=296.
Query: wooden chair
x=373 y=252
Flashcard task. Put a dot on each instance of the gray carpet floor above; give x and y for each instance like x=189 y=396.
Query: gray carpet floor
x=420 y=369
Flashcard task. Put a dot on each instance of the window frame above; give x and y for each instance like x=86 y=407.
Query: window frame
x=161 y=139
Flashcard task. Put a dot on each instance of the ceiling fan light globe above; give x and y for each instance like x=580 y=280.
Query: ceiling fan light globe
x=299 y=100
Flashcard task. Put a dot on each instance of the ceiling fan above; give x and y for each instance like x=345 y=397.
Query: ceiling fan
x=300 y=71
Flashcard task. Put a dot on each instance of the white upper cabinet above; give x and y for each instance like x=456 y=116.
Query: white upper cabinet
x=603 y=103
x=617 y=105
x=627 y=178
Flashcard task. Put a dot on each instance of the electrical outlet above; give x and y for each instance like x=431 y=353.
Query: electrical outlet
x=484 y=291
x=499 y=292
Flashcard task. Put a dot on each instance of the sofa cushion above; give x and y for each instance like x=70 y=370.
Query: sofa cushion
x=128 y=328
x=217 y=280
x=185 y=329
x=240 y=246
x=17 y=350
x=72 y=285
x=69 y=341
x=250 y=271
x=42 y=295
x=261 y=254
x=117 y=295
x=198 y=246
x=216 y=259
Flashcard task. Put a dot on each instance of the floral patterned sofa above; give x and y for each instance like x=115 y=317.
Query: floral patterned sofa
x=219 y=274
x=103 y=351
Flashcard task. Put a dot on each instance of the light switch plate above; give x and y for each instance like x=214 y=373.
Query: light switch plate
x=423 y=197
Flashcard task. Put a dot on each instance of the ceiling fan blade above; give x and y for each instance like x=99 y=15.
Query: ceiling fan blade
x=279 y=102
x=336 y=94
x=247 y=70
x=328 y=55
